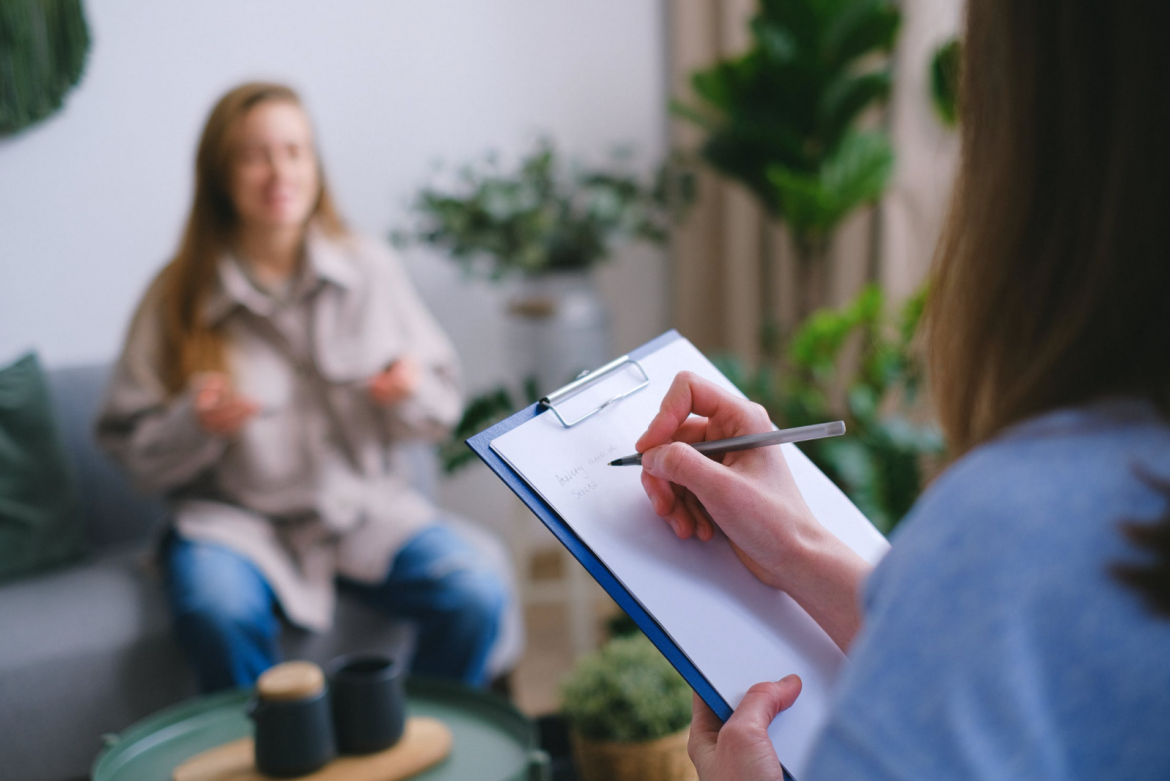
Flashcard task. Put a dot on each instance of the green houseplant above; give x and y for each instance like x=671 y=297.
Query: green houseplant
x=546 y=224
x=787 y=120
x=628 y=712
x=542 y=217
x=881 y=464
x=784 y=117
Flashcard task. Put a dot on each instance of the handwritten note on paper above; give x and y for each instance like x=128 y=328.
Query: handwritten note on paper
x=578 y=479
x=734 y=629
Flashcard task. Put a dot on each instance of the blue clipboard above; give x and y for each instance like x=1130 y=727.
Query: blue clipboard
x=481 y=444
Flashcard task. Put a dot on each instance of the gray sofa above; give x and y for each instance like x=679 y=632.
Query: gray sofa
x=86 y=650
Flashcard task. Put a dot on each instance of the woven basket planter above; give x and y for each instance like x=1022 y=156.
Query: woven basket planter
x=664 y=759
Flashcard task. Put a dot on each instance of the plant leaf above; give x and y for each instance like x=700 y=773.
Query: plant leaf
x=861 y=27
x=847 y=97
x=856 y=173
x=944 y=81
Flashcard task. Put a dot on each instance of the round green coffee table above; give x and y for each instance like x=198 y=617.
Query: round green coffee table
x=492 y=740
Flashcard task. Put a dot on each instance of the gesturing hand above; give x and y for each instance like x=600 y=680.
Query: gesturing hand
x=218 y=408
x=741 y=749
x=396 y=382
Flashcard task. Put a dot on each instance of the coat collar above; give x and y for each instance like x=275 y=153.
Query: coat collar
x=329 y=260
x=326 y=262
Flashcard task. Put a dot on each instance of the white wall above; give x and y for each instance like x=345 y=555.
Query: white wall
x=92 y=200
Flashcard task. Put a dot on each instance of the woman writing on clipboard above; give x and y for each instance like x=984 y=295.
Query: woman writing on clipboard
x=1019 y=628
x=268 y=374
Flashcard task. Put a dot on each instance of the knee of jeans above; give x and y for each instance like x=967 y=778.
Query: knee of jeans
x=217 y=609
x=216 y=586
x=480 y=597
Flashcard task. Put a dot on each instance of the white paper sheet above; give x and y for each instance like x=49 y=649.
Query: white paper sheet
x=735 y=630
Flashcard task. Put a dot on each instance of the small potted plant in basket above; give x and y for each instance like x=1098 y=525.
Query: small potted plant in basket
x=629 y=713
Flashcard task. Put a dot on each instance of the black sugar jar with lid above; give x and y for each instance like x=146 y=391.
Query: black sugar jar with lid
x=292 y=719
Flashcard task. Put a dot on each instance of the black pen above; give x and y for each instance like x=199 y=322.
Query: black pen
x=718 y=447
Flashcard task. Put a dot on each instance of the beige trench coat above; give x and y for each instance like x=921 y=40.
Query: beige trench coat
x=311 y=488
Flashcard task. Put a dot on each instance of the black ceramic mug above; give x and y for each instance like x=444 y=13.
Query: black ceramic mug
x=293 y=722
x=369 y=702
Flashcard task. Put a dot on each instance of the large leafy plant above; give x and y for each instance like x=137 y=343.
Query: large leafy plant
x=881 y=462
x=542 y=216
x=784 y=117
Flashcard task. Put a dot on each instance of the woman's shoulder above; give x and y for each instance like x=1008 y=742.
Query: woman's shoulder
x=995 y=620
x=356 y=245
x=353 y=254
x=1081 y=458
x=1049 y=493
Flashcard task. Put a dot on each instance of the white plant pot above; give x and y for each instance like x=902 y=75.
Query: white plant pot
x=558 y=326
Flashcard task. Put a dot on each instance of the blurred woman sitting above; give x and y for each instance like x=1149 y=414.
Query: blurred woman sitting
x=268 y=373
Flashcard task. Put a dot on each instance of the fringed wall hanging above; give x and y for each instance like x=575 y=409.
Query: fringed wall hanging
x=43 y=44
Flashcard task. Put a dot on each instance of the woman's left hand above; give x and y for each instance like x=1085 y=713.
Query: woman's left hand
x=396 y=382
x=741 y=748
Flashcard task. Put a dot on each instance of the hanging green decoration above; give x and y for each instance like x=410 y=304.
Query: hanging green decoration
x=43 y=44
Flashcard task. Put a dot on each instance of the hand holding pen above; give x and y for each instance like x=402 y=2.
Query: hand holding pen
x=750 y=493
x=751 y=496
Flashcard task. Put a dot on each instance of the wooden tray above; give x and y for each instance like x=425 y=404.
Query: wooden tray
x=424 y=742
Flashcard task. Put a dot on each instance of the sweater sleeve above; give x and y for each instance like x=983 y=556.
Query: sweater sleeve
x=946 y=679
x=154 y=436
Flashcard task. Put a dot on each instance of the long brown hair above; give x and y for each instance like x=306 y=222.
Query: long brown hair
x=189 y=344
x=1052 y=278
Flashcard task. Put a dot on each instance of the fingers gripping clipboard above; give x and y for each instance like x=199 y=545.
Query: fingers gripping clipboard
x=721 y=628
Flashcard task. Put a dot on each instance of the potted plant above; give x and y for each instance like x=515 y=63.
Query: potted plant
x=629 y=713
x=548 y=225
x=785 y=119
x=890 y=449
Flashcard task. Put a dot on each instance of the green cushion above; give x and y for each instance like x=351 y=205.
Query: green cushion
x=40 y=519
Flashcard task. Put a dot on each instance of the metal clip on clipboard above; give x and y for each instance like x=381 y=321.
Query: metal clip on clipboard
x=587 y=379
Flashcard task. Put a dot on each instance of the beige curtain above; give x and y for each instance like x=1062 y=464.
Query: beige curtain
x=730 y=263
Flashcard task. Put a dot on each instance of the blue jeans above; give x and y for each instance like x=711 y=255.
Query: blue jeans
x=225 y=612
